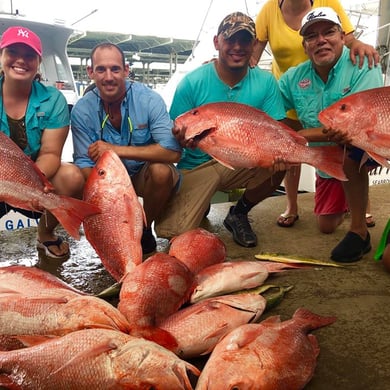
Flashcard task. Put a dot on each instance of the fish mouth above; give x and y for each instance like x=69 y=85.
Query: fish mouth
x=203 y=134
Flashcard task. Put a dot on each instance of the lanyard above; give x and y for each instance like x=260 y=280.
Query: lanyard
x=129 y=122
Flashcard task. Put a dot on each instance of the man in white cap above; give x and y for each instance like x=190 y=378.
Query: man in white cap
x=310 y=87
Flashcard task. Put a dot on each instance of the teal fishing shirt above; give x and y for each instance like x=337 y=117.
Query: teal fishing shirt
x=47 y=109
x=258 y=88
x=304 y=91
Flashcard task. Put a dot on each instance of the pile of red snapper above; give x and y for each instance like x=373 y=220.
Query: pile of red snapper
x=144 y=342
x=172 y=306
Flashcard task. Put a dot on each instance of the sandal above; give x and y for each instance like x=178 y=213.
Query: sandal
x=47 y=254
x=287 y=220
x=370 y=222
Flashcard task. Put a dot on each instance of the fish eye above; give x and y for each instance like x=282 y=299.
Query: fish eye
x=343 y=107
x=195 y=112
x=101 y=172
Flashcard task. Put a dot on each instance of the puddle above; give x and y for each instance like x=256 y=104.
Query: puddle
x=83 y=270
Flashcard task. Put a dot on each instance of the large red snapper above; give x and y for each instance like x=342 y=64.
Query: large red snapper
x=97 y=359
x=241 y=136
x=197 y=249
x=271 y=355
x=364 y=117
x=22 y=184
x=153 y=291
x=116 y=232
x=55 y=315
x=198 y=328
x=32 y=281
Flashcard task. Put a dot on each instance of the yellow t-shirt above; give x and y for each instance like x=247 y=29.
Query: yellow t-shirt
x=286 y=43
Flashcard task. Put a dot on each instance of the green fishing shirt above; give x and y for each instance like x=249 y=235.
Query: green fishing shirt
x=258 y=88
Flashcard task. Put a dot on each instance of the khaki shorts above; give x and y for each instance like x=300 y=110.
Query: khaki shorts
x=138 y=180
x=186 y=209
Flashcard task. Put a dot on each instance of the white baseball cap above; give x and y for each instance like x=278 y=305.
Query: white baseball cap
x=320 y=14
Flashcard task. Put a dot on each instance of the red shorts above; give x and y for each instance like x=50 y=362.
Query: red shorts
x=329 y=197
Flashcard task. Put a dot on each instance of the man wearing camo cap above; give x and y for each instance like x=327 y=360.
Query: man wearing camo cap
x=234 y=23
x=227 y=79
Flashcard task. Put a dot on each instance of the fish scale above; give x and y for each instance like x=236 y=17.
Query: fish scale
x=97 y=359
x=271 y=355
x=363 y=117
x=22 y=184
x=116 y=232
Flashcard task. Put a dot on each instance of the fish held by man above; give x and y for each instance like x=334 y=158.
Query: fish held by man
x=95 y=359
x=23 y=185
x=116 y=232
x=364 y=118
x=276 y=355
x=241 y=136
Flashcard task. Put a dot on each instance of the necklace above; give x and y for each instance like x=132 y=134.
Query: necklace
x=17 y=127
x=17 y=130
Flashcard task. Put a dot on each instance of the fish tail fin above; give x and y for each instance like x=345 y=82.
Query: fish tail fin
x=311 y=321
x=157 y=335
x=72 y=213
x=379 y=159
x=329 y=159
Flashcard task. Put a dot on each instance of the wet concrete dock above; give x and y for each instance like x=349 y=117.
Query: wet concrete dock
x=354 y=350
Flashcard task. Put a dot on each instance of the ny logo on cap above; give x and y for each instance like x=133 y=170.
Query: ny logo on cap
x=23 y=33
x=313 y=15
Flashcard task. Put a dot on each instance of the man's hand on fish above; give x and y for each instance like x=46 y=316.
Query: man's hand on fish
x=179 y=133
x=335 y=135
x=96 y=149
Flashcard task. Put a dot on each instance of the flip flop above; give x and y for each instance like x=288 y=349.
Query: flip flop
x=47 y=254
x=287 y=220
x=370 y=222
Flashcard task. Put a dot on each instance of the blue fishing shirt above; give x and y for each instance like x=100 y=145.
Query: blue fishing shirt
x=46 y=109
x=145 y=121
x=258 y=88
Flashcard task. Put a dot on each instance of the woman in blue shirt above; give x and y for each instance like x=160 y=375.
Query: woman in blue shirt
x=36 y=118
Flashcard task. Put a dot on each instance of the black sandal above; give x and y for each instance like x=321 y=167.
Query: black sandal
x=47 y=254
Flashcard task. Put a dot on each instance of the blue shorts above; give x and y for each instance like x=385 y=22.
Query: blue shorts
x=357 y=154
x=5 y=207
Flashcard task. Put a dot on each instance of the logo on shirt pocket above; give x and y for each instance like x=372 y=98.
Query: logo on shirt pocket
x=305 y=83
